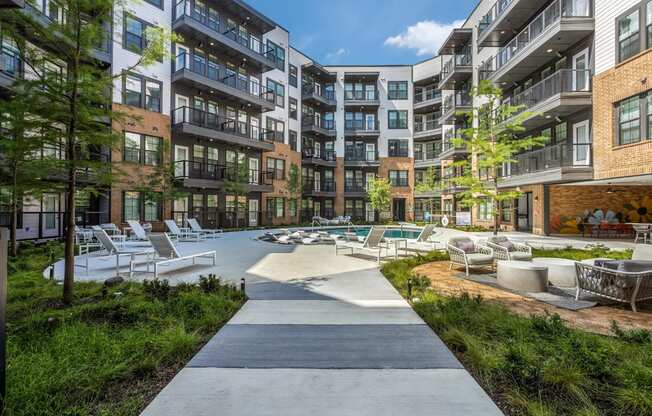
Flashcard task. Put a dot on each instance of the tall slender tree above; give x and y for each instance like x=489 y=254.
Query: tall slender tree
x=69 y=91
x=379 y=193
x=236 y=184
x=431 y=183
x=293 y=184
x=491 y=142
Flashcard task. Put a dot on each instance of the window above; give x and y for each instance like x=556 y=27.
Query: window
x=153 y=207
x=293 y=108
x=397 y=90
x=277 y=167
x=628 y=36
x=506 y=211
x=397 y=119
x=131 y=152
x=139 y=148
x=131 y=206
x=134 y=34
x=293 y=140
x=157 y=3
x=398 y=177
x=649 y=23
x=276 y=207
x=485 y=211
x=293 y=77
x=561 y=133
x=279 y=92
x=398 y=148
x=153 y=150
x=629 y=121
x=141 y=92
x=276 y=129
x=277 y=54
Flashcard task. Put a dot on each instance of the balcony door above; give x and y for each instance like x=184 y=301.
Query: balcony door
x=182 y=108
x=253 y=212
x=317 y=182
x=581 y=74
x=181 y=156
x=182 y=59
x=370 y=122
x=371 y=152
x=581 y=143
x=254 y=169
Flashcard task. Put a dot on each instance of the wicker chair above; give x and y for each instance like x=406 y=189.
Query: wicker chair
x=464 y=252
x=509 y=250
x=622 y=281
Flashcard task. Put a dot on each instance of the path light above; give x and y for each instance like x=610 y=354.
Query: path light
x=409 y=288
x=242 y=285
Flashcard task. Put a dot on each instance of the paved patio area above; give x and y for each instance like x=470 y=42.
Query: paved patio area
x=320 y=335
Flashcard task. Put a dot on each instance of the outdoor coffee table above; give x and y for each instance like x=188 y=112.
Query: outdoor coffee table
x=522 y=276
x=561 y=272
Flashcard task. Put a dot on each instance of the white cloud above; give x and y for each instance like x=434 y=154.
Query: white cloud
x=334 y=57
x=426 y=36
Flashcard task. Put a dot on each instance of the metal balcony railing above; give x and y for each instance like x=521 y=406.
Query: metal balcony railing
x=326 y=185
x=319 y=122
x=548 y=17
x=309 y=89
x=564 y=80
x=361 y=95
x=462 y=59
x=361 y=125
x=422 y=126
x=326 y=155
x=360 y=155
x=493 y=14
x=430 y=154
x=212 y=70
x=550 y=157
x=354 y=185
x=220 y=123
x=220 y=24
x=458 y=99
x=427 y=95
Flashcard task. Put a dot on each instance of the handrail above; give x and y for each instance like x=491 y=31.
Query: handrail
x=327 y=155
x=363 y=125
x=550 y=157
x=462 y=59
x=215 y=72
x=361 y=95
x=357 y=155
x=458 y=99
x=320 y=122
x=427 y=95
x=493 y=14
x=308 y=89
x=220 y=123
x=421 y=126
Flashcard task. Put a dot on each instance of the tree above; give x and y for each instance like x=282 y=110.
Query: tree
x=430 y=184
x=236 y=184
x=379 y=193
x=293 y=185
x=70 y=94
x=491 y=144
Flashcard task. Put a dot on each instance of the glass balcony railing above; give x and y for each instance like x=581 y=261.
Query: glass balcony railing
x=426 y=95
x=564 y=80
x=550 y=157
x=214 y=72
x=458 y=60
x=493 y=14
x=217 y=122
x=210 y=19
x=547 y=18
x=454 y=101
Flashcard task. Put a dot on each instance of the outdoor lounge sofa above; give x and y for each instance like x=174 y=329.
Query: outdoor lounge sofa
x=466 y=253
x=166 y=254
x=504 y=249
x=371 y=243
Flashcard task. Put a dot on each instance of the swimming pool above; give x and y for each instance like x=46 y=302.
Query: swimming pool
x=362 y=231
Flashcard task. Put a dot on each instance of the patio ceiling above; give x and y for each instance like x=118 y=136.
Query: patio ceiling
x=640 y=180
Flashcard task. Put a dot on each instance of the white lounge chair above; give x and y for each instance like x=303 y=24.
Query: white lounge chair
x=423 y=243
x=167 y=254
x=112 y=250
x=110 y=228
x=116 y=236
x=138 y=230
x=373 y=242
x=194 y=226
x=282 y=239
x=182 y=233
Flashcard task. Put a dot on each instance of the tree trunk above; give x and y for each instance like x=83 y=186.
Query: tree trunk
x=14 y=221
x=495 y=202
x=69 y=220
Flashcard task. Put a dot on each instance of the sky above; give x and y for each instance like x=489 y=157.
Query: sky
x=366 y=32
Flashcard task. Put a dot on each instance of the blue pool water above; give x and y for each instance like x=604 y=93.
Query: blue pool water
x=390 y=233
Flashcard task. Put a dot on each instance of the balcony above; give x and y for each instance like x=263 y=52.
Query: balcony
x=326 y=188
x=458 y=69
x=455 y=106
x=428 y=158
x=423 y=129
x=196 y=72
x=558 y=27
x=320 y=97
x=320 y=158
x=361 y=99
x=451 y=152
x=186 y=120
x=196 y=174
x=362 y=128
x=355 y=187
x=318 y=126
x=550 y=164
x=361 y=157
x=425 y=100
x=559 y=95
x=195 y=23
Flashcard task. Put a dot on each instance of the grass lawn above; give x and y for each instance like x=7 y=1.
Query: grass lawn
x=537 y=366
x=107 y=353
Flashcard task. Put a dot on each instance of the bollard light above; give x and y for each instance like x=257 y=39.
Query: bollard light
x=409 y=288
x=242 y=285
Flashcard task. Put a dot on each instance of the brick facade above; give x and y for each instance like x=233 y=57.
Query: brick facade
x=284 y=152
x=407 y=193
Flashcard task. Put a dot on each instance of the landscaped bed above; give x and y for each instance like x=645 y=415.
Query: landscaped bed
x=109 y=352
x=536 y=365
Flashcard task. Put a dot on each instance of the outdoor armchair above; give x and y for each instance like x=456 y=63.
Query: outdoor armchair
x=504 y=249
x=466 y=253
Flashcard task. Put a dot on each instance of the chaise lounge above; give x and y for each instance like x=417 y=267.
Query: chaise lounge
x=166 y=254
x=372 y=242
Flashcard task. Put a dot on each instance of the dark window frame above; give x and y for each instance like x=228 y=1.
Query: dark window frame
x=142 y=151
x=399 y=182
x=398 y=148
x=644 y=119
x=293 y=137
x=143 y=91
x=274 y=48
x=293 y=76
x=275 y=86
x=399 y=125
x=293 y=114
x=160 y=5
x=143 y=40
x=644 y=30
x=391 y=93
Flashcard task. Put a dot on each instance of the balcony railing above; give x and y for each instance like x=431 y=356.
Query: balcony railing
x=326 y=155
x=458 y=99
x=421 y=126
x=361 y=95
x=219 y=123
x=493 y=14
x=564 y=80
x=463 y=59
x=550 y=157
x=319 y=122
x=550 y=16
x=430 y=154
x=221 y=25
x=215 y=72
x=354 y=185
x=361 y=125
x=308 y=89
x=327 y=185
x=359 y=155
x=427 y=95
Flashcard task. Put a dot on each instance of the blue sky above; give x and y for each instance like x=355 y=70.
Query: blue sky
x=366 y=31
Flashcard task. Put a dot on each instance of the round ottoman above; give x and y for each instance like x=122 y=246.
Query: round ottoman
x=523 y=276
x=561 y=272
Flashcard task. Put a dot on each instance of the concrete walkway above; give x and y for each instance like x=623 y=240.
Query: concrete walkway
x=320 y=335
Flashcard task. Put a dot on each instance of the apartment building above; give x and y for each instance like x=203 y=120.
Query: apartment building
x=236 y=90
